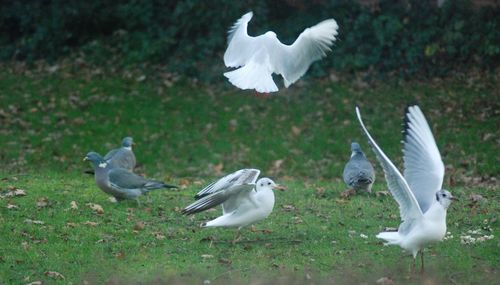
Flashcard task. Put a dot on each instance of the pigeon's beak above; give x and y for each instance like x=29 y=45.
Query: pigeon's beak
x=279 y=187
x=85 y=158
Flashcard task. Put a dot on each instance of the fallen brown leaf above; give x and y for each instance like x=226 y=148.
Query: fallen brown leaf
x=54 y=274
x=42 y=202
x=139 y=226
x=96 y=208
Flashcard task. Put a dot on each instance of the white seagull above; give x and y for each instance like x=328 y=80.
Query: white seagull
x=257 y=58
x=245 y=200
x=422 y=202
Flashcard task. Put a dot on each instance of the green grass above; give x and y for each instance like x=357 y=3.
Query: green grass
x=186 y=133
x=312 y=234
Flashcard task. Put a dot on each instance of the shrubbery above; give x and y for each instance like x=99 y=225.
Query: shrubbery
x=408 y=38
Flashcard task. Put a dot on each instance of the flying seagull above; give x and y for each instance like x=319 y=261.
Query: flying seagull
x=121 y=183
x=358 y=172
x=257 y=58
x=422 y=201
x=122 y=157
x=245 y=200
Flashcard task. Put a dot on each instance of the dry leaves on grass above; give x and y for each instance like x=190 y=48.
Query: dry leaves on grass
x=42 y=202
x=12 y=206
x=385 y=281
x=90 y=223
x=35 y=222
x=54 y=274
x=14 y=192
x=139 y=226
x=74 y=206
x=159 y=236
x=96 y=208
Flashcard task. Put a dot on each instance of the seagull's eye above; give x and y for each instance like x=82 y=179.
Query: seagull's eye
x=268 y=183
x=262 y=184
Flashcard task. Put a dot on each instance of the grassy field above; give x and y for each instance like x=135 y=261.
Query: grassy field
x=188 y=133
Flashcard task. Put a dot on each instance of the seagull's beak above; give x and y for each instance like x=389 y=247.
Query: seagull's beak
x=454 y=198
x=279 y=187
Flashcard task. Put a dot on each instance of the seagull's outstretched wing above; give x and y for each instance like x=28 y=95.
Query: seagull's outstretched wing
x=240 y=45
x=408 y=205
x=424 y=169
x=311 y=45
x=240 y=177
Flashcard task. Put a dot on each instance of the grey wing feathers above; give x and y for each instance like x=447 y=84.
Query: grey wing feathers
x=110 y=154
x=424 y=169
x=122 y=158
x=408 y=205
x=242 y=176
x=128 y=180
x=216 y=198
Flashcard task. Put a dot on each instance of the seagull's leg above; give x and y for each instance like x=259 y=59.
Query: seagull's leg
x=422 y=261
x=138 y=202
x=414 y=266
x=237 y=237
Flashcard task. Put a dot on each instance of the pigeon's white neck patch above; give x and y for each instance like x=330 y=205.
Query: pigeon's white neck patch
x=353 y=154
x=127 y=147
x=103 y=164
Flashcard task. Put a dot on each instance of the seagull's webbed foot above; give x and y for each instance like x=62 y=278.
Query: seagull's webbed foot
x=261 y=95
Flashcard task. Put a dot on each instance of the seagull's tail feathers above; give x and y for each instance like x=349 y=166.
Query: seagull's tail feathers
x=390 y=237
x=253 y=76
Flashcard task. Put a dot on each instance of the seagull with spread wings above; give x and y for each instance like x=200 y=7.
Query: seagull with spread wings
x=244 y=199
x=257 y=58
x=422 y=201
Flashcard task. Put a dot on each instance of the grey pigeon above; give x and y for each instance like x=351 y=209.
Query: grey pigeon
x=358 y=172
x=121 y=183
x=122 y=157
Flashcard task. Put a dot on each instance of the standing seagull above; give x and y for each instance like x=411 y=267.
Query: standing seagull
x=422 y=202
x=245 y=200
x=121 y=183
x=358 y=172
x=257 y=58
x=122 y=157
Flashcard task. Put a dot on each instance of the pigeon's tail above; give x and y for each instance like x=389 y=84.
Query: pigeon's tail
x=253 y=76
x=153 y=185
x=390 y=237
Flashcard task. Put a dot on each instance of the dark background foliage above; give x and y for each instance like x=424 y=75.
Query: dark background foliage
x=405 y=38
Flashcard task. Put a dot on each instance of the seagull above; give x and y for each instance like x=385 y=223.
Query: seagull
x=257 y=58
x=245 y=200
x=121 y=183
x=358 y=172
x=422 y=201
x=122 y=157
